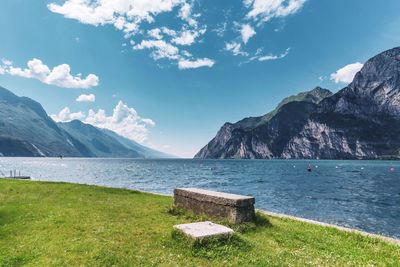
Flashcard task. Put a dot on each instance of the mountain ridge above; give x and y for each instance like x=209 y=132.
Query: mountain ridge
x=27 y=130
x=358 y=122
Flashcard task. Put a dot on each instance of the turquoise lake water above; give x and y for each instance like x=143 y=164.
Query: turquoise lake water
x=357 y=194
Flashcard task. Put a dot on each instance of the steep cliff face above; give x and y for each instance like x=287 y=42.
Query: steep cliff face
x=265 y=136
x=320 y=140
x=362 y=121
x=374 y=90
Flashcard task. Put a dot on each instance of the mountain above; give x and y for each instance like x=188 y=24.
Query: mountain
x=313 y=96
x=361 y=121
x=26 y=130
x=142 y=150
x=96 y=141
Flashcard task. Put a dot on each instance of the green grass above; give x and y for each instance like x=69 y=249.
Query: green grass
x=60 y=224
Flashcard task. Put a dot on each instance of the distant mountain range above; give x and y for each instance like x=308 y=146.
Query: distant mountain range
x=361 y=121
x=27 y=131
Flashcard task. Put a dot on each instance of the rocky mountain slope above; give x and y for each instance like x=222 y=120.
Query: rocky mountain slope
x=97 y=143
x=27 y=130
x=142 y=150
x=361 y=121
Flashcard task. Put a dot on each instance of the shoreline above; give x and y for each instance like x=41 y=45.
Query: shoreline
x=51 y=223
x=391 y=240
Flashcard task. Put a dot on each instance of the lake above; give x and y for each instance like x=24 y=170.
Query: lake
x=357 y=194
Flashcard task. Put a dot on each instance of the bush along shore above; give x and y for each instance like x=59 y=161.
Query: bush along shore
x=61 y=224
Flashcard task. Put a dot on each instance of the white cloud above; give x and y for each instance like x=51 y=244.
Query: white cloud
x=186 y=54
x=164 y=50
x=188 y=37
x=155 y=33
x=125 y=121
x=66 y=115
x=235 y=48
x=194 y=64
x=149 y=122
x=123 y=14
x=168 y=31
x=265 y=10
x=185 y=14
x=59 y=76
x=221 y=29
x=6 y=62
x=86 y=98
x=247 y=32
x=347 y=73
x=161 y=49
x=128 y=17
x=271 y=56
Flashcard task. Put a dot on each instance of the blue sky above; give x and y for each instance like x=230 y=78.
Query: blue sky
x=169 y=73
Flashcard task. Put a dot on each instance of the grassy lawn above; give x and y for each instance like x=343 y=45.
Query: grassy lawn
x=60 y=224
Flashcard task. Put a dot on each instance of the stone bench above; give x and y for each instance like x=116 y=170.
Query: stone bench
x=235 y=208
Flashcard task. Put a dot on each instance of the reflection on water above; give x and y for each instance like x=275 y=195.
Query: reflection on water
x=360 y=194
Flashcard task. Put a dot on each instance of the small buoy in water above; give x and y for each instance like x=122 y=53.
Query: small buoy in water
x=337 y=167
x=316 y=166
x=362 y=168
x=391 y=169
x=294 y=166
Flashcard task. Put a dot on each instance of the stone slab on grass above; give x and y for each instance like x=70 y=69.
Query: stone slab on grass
x=202 y=230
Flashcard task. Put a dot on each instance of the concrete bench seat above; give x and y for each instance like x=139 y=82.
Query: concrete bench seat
x=235 y=208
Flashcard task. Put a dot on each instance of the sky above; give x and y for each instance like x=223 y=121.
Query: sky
x=169 y=73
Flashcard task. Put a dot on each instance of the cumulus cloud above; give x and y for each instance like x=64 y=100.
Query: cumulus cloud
x=164 y=50
x=123 y=14
x=161 y=49
x=347 y=73
x=247 y=32
x=66 y=115
x=125 y=121
x=168 y=31
x=235 y=48
x=188 y=37
x=155 y=33
x=86 y=98
x=194 y=64
x=185 y=14
x=6 y=62
x=128 y=17
x=265 y=10
x=59 y=76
